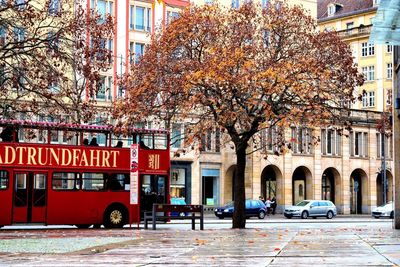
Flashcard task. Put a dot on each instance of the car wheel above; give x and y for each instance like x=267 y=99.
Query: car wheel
x=182 y=214
x=304 y=215
x=392 y=215
x=83 y=226
x=329 y=215
x=115 y=217
x=261 y=215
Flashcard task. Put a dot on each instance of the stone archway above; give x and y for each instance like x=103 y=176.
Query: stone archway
x=331 y=184
x=301 y=184
x=271 y=183
x=229 y=184
x=358 y=192
x=379 y=188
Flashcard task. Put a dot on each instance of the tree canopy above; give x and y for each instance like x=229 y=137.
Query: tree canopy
x=241 y=70
x=51 y=56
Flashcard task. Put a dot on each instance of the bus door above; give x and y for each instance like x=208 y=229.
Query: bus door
x=153 y=190
x=29 y=197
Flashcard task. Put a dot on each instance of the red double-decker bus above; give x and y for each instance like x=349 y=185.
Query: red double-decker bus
x=83 y=175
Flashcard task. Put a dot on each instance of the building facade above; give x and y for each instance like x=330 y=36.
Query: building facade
x=343 y=168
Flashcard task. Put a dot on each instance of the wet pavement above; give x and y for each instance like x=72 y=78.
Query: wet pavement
x=342 y=245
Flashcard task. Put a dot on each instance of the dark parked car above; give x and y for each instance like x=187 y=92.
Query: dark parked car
x=311 y=208
x=254 y=208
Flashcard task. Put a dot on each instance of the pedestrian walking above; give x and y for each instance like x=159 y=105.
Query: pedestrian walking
x=274 y=204
x=268 y=205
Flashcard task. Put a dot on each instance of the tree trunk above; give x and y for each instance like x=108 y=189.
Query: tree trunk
x=239 y=216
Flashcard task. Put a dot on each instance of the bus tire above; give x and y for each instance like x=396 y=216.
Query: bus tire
x=115 y=216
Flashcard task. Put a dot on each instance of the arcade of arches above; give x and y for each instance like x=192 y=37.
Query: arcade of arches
x=355 y=194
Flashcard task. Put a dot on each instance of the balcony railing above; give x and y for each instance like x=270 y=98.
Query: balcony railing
x=355 y=32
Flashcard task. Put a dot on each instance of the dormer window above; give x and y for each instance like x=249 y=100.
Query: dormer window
x=333 y=8
x=377 y=2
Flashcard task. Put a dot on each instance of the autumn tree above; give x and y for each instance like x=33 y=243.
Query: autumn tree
x=51 y=56
x=241 y=70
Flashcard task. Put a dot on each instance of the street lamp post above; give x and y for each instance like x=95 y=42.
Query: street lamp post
x=383 y=168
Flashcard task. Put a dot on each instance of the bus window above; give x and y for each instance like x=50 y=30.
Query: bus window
x=54 y=137
x=3 y=180
x=147 y=139
x=39 y=190
x=21 y=195
x=93 y=181
x=65 y=181
x=102 y=139
x=70 y=138
x=118 y=181
x=160 y=141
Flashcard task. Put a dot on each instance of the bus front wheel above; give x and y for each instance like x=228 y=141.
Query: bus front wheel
x=115 y=217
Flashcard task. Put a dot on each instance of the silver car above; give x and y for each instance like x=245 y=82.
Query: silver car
x=386 y=210
x=311 y=208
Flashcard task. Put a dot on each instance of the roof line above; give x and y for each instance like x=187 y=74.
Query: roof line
x=348 y=14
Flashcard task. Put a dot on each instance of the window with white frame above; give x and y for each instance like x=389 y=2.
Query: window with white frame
x=389 y=48
x=177 y=135
x=20 y=4
x=359 y=144
x=369 y=73
x=301 y=140
x=140 y=18
x=103 y=7
x=210 y=141
x=19 y=80
x=171 y=15
x=53 y=42
x=389 y=70
x=349 y=25
x=54 y=7
x=104 y=88
x=235 y=3
x=384 y=146
x=269 y=139
x=377 y=2
x=54 y=87
x=120 y=91
x=367 y=49
x=264 y=3
x=331 y=9
x=105 y=47
x=368 y=99
x=19 y=34
x=389 y=96
x=137 y=51
x=331 y=142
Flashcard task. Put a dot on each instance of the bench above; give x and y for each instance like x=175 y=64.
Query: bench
x=167 y=209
